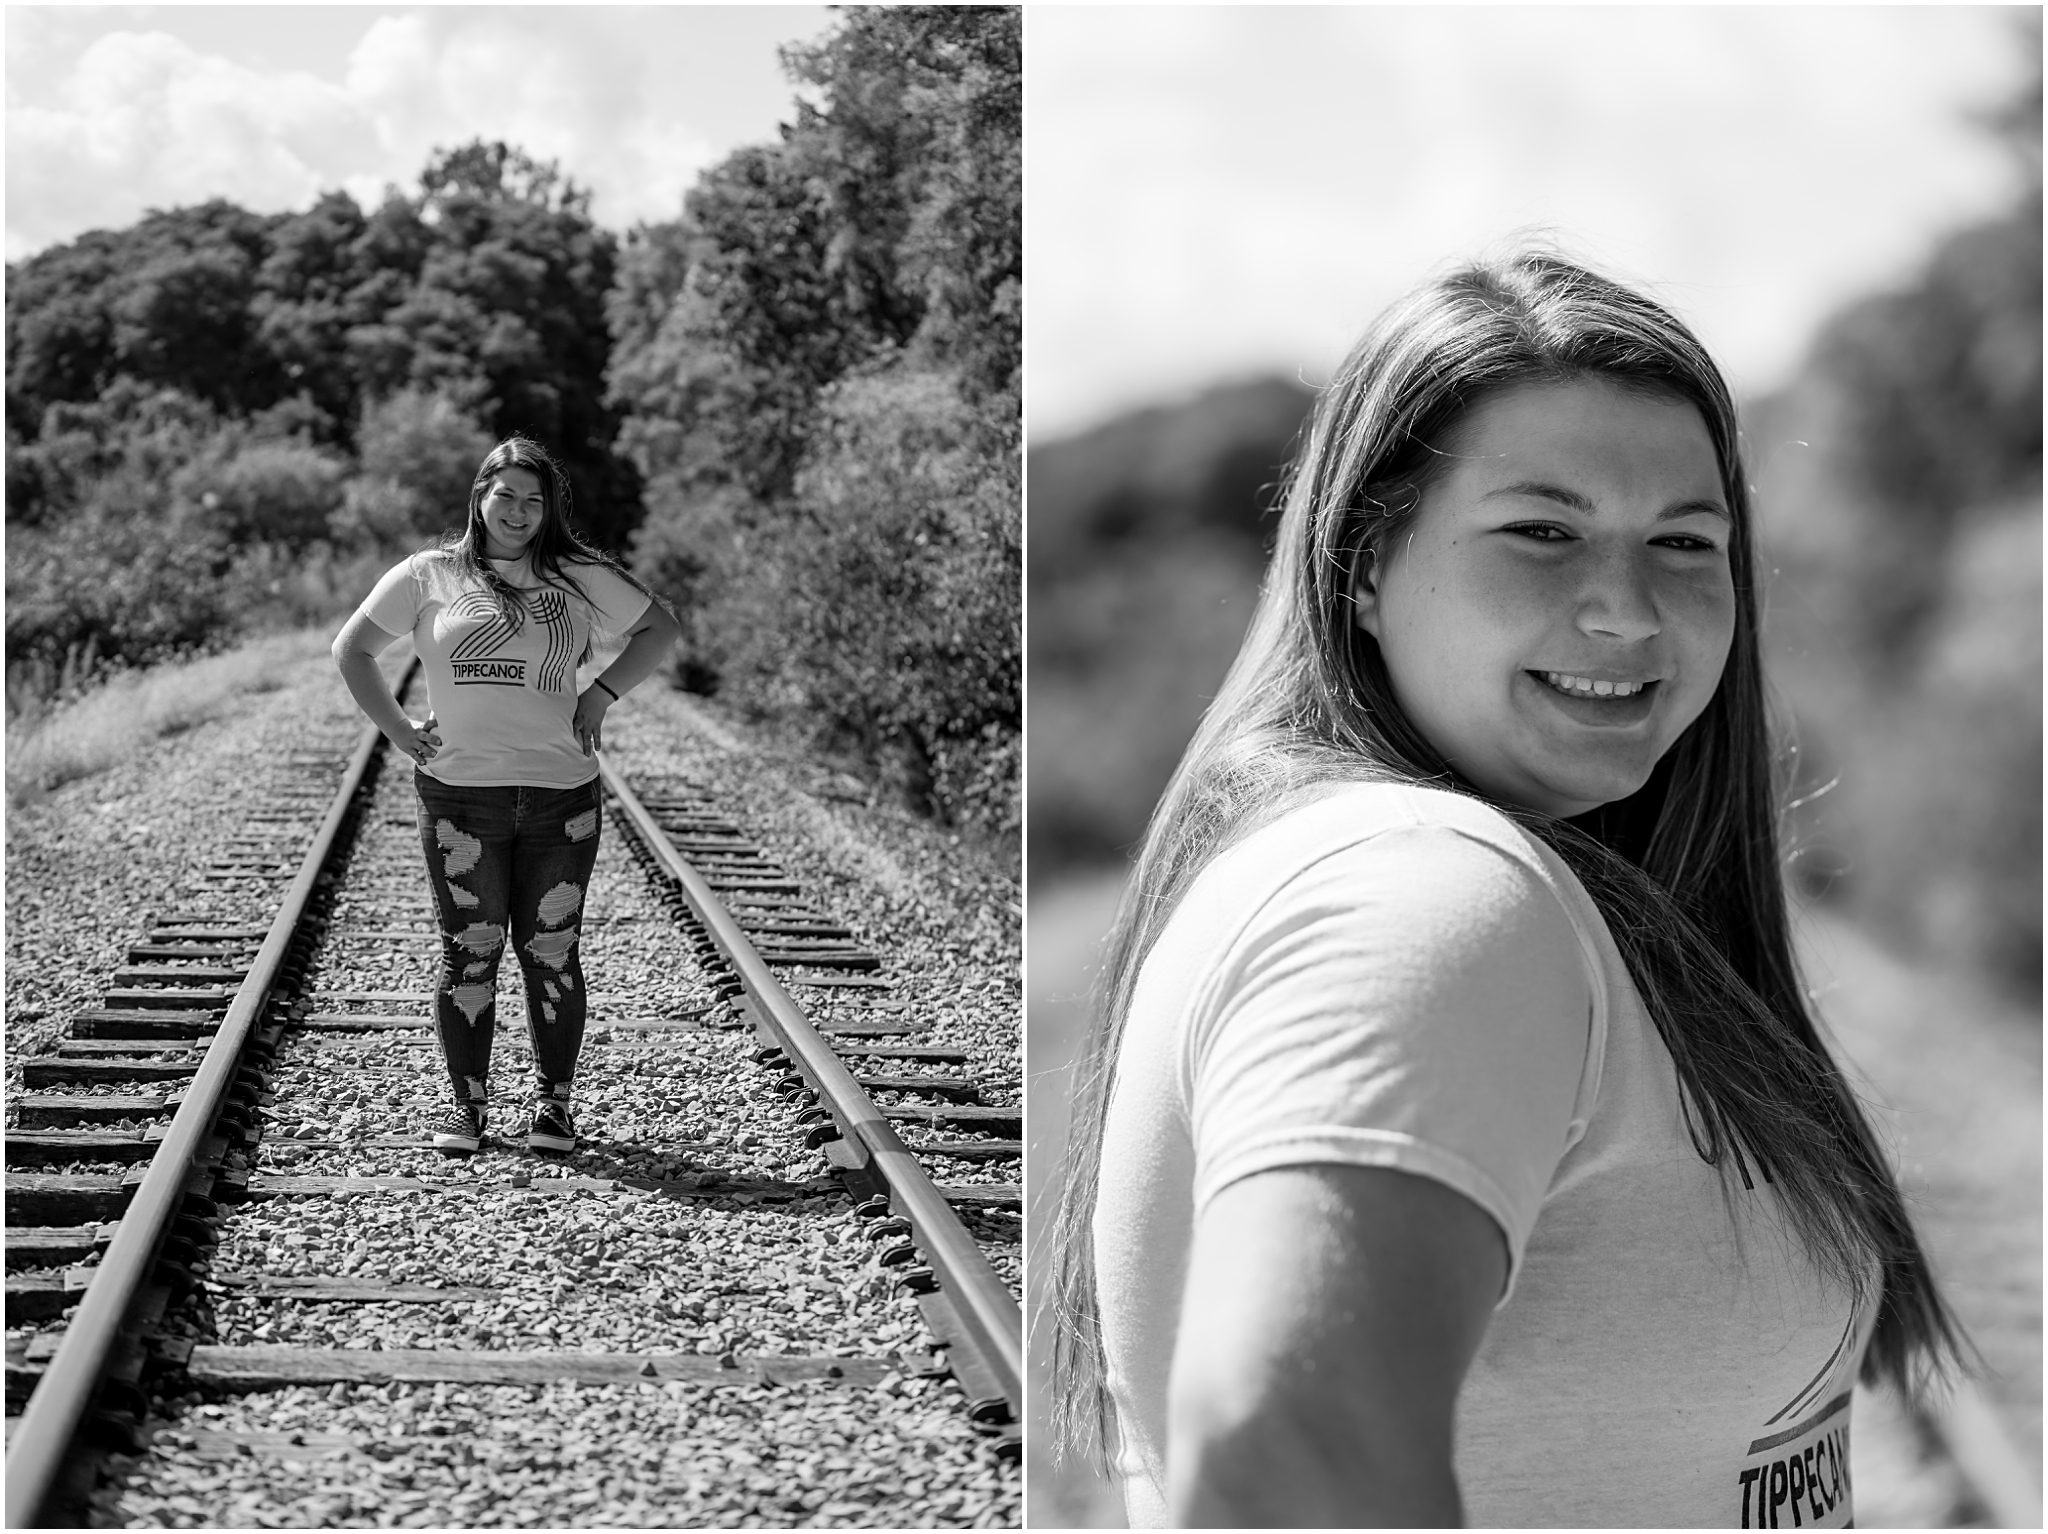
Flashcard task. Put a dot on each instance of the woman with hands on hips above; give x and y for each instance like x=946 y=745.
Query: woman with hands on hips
x=510 y=807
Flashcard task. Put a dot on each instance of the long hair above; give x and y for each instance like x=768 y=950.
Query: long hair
x=1686 y=872
x=555 y=546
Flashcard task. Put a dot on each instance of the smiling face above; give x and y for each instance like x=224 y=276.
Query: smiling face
x=1560 y=606
x=513 y=510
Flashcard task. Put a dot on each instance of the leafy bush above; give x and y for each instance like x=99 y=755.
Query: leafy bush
x=908 y=624
x=134 y=588
x=133 y=433
x=882 y=609
x=417 y=455
x=689 y=546
x=266 y=492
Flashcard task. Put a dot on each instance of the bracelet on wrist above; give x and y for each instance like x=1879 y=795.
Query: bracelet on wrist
x=598 y=681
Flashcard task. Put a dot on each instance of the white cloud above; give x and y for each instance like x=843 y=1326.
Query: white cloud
x=144 y=120
x=561 y=92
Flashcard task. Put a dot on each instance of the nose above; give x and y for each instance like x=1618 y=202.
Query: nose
x=1619 y=599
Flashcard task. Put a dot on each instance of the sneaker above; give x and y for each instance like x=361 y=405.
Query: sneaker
x=551 y=1129
x=459 y=1128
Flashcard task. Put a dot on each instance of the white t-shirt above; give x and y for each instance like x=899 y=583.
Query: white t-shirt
x=504 y=698
x=1308 y=1004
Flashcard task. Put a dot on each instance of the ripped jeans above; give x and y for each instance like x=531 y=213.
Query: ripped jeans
x=517 y=855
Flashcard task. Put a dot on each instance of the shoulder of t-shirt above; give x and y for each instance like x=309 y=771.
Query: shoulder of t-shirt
x=429 y=563
x=1403 y=863
x=604 y=584
x=1353 y=814
x=1413 y=855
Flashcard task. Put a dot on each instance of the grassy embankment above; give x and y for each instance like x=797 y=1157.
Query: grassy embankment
x=49 y=746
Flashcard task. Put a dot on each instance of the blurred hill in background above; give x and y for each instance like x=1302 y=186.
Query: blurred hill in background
x=1147 y=539
x=1899 y=477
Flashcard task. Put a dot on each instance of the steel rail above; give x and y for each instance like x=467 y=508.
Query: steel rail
x=43 y=1436
x=989 y=1315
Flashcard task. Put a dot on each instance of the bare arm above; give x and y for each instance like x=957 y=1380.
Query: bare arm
x=1329 y=1318
x=649 y=639
x=355 y=651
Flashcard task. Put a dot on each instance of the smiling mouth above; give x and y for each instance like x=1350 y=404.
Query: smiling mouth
x=1587 y=687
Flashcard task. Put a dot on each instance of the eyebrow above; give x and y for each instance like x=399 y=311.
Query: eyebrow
x=1581 y=504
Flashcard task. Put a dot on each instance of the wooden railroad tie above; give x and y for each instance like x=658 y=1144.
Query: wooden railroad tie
x=273 y=1366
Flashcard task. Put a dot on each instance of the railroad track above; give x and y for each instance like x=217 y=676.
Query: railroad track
x=790 y=1189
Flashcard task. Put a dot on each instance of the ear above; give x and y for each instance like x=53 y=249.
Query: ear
x=1364 y=592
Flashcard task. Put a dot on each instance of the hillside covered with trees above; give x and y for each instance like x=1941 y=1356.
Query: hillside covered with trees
x=793 y=409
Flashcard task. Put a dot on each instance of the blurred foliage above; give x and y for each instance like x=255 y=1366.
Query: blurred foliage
x=1147 y=538
x=817 y=366
x=417 y=454
x=1899 y=481
x=1900 y=485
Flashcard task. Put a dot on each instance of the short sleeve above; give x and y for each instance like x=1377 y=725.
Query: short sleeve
x=615 y=602
x=394 y=602
x=1417 y=1000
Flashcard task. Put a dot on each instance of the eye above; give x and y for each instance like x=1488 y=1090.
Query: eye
x=1688 y=543
x=1541 y=532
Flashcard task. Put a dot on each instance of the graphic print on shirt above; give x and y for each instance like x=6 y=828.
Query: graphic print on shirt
x=1795 y=1474
x=481 y=658
x=551 y=609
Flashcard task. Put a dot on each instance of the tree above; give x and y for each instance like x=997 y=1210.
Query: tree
x=311 y=290
x=922 y=143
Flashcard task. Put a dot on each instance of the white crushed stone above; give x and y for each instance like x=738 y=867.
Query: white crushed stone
x=567 y=1456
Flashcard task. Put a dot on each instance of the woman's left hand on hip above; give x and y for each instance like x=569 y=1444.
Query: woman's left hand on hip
x=589 y=722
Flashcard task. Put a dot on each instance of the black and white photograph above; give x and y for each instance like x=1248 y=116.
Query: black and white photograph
x=993 y=766
x=1533 y=766
x=537 y=483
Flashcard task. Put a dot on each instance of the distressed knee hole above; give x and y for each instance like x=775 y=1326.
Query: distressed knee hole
x=472 y=999
x=464 y=900
x=476 y=971
x=482 y=937
x=560 y=903
x=463 y=849
x=552 y=948
x=577 y=827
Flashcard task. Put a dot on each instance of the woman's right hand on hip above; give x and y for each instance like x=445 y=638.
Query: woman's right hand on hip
x=421 y=741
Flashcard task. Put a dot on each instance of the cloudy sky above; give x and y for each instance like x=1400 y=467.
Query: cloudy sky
x=1220 y=191
x=112 y=110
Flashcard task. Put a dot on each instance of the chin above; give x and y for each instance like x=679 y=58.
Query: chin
x=1582 y=792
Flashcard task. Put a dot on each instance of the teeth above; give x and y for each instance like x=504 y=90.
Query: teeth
x=1586 y=687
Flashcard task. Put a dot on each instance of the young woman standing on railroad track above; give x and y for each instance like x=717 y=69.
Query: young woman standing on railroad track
x=1455 y=1140
x=510 y=808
